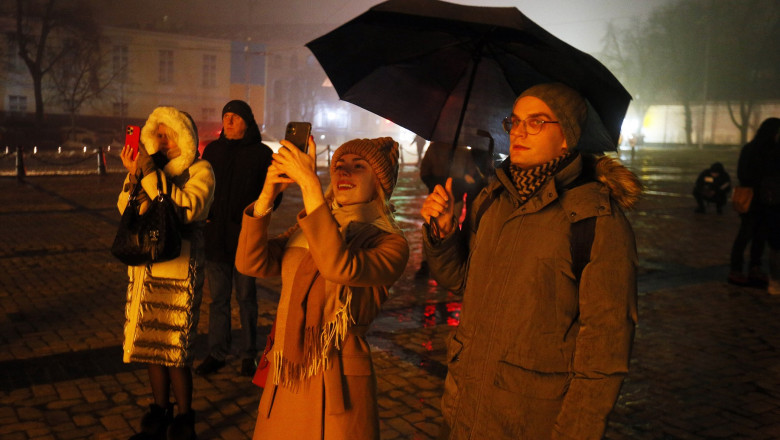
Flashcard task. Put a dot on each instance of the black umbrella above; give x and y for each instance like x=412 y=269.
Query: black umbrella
x=438 y=68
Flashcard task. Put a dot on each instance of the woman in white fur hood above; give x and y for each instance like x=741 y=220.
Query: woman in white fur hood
x=163 y=299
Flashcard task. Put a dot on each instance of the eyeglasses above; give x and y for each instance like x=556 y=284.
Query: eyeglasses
x=531 y=125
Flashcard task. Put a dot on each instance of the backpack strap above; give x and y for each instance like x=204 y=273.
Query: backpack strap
x=484 y=205
x=582 y=234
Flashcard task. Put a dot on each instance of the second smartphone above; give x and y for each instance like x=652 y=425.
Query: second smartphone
x=298 y=134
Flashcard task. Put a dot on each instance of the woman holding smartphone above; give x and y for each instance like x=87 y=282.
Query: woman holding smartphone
x=163 y=299
x=337 y=264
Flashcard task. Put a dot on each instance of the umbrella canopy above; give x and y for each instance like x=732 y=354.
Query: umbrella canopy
x=444 y=70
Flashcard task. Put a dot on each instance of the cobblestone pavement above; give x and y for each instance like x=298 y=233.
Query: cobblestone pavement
x=705 y=362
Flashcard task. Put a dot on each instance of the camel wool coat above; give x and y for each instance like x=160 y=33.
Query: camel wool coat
x=340 y=402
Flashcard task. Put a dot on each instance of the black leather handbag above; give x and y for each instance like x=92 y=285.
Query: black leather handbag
x=152 y=237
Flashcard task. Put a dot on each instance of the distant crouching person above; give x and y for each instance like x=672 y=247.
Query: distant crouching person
x=713 y=185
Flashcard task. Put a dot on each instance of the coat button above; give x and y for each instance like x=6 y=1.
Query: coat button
x=601 y=208
x=573 y=214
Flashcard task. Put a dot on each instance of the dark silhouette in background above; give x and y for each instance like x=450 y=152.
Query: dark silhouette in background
x=712 y=186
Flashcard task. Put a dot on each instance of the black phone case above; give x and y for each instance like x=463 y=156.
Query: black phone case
x=298 y=134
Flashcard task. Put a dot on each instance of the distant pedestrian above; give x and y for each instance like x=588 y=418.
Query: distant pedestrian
x=547 y=267
x=163 y=299
x=753 y=223
x=713 y=186
x=337 y=263
x=769 y=195
x=420 y=142
x=240 y=161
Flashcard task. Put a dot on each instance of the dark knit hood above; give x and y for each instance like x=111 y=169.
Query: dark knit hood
x=251 y=136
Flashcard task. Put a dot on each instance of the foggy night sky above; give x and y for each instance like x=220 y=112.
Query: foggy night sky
x=581 y=23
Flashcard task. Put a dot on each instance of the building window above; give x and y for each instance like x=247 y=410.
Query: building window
x=209 y=70
x=17 y=104
x=120 y=109
x=119 y=58
x=166 y=66
x=15 y=62
x=209 y=114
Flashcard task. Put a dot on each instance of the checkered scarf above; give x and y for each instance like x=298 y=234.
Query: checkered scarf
x=528 y=181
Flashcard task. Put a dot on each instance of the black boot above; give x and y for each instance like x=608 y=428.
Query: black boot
x=155 y=423
x=183 y=427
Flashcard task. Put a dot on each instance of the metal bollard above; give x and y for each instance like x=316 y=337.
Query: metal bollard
x=101 y=162
x=20 y=172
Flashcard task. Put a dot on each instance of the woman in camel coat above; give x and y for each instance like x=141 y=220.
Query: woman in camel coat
x=337 y=264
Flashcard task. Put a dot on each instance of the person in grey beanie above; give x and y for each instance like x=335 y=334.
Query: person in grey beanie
x=546 y=263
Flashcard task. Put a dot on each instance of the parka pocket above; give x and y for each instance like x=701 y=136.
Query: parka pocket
x=454 y=348
x=531 y=383
x=555 y=296
x=452 y=388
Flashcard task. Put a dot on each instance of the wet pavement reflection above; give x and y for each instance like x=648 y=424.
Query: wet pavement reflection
x=705 y=364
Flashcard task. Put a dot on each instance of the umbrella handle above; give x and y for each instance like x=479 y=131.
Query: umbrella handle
x=477 y=58
x=435 y=227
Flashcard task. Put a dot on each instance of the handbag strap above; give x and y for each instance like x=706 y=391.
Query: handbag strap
x=159 y=184
x=137 y=186
x=134 y=192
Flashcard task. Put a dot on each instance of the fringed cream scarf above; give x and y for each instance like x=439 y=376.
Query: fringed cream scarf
x=318 y=313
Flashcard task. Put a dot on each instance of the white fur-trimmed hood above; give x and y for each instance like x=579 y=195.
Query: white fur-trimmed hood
x=187 y=141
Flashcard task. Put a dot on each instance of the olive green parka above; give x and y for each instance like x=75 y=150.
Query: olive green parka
x=537 y=356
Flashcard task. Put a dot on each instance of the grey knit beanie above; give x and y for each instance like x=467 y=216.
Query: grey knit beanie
x=567 y=104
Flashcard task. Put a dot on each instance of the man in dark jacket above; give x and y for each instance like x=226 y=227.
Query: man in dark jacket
x=240 y=161
x=543 y=343
x=713 y=185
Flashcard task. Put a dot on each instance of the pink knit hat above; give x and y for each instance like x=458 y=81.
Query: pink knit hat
x=567 y=104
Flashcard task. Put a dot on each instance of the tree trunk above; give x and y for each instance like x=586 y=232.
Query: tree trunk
x=688 y=123
x=743 y=122
x=37 y=81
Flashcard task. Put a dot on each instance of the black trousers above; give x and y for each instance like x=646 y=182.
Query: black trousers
x=752 y=229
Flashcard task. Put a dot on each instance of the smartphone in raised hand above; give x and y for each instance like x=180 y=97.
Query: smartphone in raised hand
x=298 y=134
x=133 y=138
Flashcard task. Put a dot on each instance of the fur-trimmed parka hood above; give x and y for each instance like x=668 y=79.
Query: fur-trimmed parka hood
x=181 y=123
x=624 y=186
